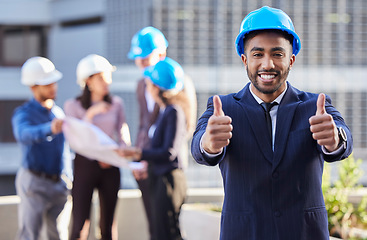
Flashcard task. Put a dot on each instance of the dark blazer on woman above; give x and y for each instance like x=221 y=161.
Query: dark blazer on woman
x=165 y=152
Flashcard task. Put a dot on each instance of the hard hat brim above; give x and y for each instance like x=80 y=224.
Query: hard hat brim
x=55 y=76
x=239 y=40
x=167 y=75
x=145 y=42
x=133 y=56
x=144 y=54
x=81 y=79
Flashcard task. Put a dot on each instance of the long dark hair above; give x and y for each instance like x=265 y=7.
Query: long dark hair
x=86 y=100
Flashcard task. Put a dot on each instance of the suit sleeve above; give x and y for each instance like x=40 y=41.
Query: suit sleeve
x=142 y=102
x=200 y=157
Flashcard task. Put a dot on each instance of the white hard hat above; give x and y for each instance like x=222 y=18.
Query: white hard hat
x=90 y=65
x=39 y=71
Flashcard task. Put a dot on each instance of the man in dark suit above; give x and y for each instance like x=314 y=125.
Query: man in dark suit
x=271 y=161
x=148 y=46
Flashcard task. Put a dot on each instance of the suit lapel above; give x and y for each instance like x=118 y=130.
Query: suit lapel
x=285 y=115
x=256 y=118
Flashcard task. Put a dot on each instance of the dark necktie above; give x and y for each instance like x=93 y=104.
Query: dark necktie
x=267 y=107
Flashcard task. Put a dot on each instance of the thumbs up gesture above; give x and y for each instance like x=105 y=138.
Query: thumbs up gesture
x=218 y=132
x=323 y=127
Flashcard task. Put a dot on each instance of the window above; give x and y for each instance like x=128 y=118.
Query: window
x=79 y=22
x=18 y=43
x=6 y=112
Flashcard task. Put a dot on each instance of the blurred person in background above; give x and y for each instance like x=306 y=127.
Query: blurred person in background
x=165 y=82
x=97 y=106
x=148 y=47
x=37 y=127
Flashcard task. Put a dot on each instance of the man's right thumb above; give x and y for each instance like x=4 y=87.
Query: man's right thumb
x=217 y=106
x=320 y=104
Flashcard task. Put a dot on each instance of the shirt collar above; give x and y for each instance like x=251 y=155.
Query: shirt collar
x=36 y=103
x=277 y=100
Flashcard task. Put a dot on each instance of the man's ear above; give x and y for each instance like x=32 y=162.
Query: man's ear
x=244 y=59
x=162 y=55
x=292 y=60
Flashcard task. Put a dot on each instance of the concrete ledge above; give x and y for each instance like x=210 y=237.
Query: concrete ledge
x=197 y=222
x=205 y=195
x=9 y=216
x=130 y=215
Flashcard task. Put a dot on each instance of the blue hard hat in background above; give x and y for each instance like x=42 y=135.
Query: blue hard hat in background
x=145 y=41
x=267 y=18
x=166 y=74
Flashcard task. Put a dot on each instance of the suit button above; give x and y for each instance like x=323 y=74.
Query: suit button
x=275 y=175
x=277 y=213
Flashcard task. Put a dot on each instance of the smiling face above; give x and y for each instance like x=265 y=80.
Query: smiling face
x=268 y=59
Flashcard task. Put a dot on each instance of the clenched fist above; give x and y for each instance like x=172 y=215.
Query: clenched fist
x=56 y=125
x=218 y=132
x=323 y=127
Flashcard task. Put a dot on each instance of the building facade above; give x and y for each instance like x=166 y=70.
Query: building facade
x=201 y=37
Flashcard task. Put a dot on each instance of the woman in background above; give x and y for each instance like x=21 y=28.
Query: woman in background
x=165 y=82
x=97 y=106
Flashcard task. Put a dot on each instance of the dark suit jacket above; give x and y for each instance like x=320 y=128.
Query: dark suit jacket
x=271 y=195
x=146 y=118
x=165 y=153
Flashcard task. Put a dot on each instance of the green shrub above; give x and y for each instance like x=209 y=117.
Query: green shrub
x=342 y=214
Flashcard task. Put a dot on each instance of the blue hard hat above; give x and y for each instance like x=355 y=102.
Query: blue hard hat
x=267 y=18
x=166 y=74
x=145 y=41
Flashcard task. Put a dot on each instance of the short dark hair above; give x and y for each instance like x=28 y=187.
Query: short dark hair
x=252 y=34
